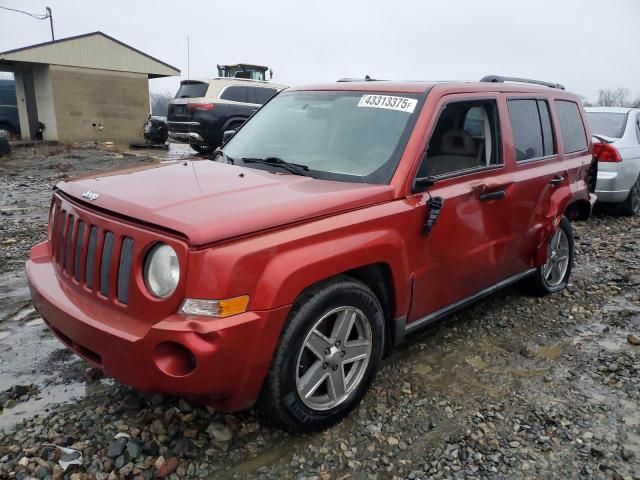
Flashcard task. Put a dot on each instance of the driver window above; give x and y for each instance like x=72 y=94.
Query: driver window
x=465 y=138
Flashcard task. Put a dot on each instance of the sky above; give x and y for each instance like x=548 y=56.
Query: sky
x=586 y=45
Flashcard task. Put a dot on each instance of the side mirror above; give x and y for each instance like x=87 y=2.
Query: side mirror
x=227 y=135
x=420 y=184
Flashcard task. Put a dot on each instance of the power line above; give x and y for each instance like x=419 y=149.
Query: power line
x=38 y=17
x=48 y=15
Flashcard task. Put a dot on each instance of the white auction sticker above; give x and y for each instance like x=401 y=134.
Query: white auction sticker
x=389 y=102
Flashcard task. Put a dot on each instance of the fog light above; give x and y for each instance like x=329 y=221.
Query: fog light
x=215 y=308
x=174 y=359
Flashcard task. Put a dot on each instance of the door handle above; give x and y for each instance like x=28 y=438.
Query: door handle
x=557 y=180
x=495 y=195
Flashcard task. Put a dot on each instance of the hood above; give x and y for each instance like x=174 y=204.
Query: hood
x=210 y=201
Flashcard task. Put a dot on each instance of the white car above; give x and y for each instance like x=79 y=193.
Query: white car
x=617 y=131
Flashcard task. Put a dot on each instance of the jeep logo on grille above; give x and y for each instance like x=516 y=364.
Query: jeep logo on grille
x=90 y=195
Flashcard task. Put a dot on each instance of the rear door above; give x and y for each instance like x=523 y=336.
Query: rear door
x=545 y=170
x=466 y=249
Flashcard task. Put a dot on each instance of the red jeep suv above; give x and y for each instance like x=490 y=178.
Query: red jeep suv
x=337 y=220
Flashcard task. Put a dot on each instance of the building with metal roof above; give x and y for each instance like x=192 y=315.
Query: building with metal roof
x=90 y=87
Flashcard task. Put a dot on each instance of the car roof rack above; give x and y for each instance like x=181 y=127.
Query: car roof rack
x=366 y=78
x=501 y=79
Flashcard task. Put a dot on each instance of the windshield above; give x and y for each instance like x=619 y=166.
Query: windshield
x=607 y=124
x=344 y=136
x=192 y=89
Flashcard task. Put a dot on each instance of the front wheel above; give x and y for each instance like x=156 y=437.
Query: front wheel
x=554 y=275
x=327 y=356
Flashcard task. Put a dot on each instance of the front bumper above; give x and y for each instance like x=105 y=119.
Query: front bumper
x=229 y=359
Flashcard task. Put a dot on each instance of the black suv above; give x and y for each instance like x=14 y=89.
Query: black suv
x=203 y=110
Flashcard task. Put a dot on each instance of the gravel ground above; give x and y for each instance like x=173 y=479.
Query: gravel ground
x=512 y=388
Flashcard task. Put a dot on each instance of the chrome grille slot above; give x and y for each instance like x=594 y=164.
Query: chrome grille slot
x=124 y=269
x=105 y=264
x=77 y=257
x=60 y=240
x=91 y=257
x=67 y=248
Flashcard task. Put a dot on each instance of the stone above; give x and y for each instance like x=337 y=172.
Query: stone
x=133 y=449
x=116 y=448
x=633 y=339
x=219 y=432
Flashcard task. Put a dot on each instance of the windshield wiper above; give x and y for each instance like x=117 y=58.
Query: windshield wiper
x=219 y=152
x=296 y=168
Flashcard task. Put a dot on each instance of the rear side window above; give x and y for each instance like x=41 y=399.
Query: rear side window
x=573 y=134
x=261 y=95
x=532 y=130
x=235 y=93
x=192 y=90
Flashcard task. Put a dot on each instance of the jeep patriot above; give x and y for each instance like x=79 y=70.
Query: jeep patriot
x=339 y=219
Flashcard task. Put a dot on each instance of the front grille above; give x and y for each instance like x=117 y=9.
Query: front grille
x=108 y=256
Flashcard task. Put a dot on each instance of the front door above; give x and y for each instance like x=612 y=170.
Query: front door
x=467 y=248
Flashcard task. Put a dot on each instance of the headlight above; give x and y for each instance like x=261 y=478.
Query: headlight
x=162 y=270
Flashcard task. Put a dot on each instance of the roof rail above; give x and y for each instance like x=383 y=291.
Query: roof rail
x=500 y=79
x=366 y=78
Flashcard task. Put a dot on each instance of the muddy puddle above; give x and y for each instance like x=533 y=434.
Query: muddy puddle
x=31 y=356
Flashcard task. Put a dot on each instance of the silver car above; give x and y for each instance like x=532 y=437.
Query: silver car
x=618 y=151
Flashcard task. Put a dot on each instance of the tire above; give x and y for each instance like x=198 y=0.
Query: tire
x=203 y=149
x=547 y=279
x=631 y=206
x=298 y=395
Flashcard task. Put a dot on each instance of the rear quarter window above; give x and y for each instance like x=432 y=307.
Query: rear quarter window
x=236 y=93
x=571 y=126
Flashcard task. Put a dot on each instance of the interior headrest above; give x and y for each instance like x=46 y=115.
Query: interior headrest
x=458 y=142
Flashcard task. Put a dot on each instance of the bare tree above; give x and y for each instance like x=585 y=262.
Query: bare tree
x=620 y=97
x=160 y=103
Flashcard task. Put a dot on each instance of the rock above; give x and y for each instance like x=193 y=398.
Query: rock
x=597 y=451
x=93 y=374
x=219 y=432
x=131 y=402
x=157 y=427
x=529 y=350
x=392 y=441
x=116 y=448
x=120 y=462
x=627 y=454
x=133 y=449
x=633 y=340
x=167 y=468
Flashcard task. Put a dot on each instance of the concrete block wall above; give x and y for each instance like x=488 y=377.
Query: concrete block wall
x=99 y=105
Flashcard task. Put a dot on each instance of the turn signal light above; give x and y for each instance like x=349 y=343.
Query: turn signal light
x=215 y=308
x=605 y=152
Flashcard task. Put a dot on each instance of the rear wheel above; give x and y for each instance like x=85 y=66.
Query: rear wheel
x=327 y=357
x=631 y=206
x=554 y=275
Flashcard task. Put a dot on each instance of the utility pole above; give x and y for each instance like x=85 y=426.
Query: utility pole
x=50 y=15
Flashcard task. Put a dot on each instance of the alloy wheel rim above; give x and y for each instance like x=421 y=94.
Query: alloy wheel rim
x=557 y=259
x=333 y=358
